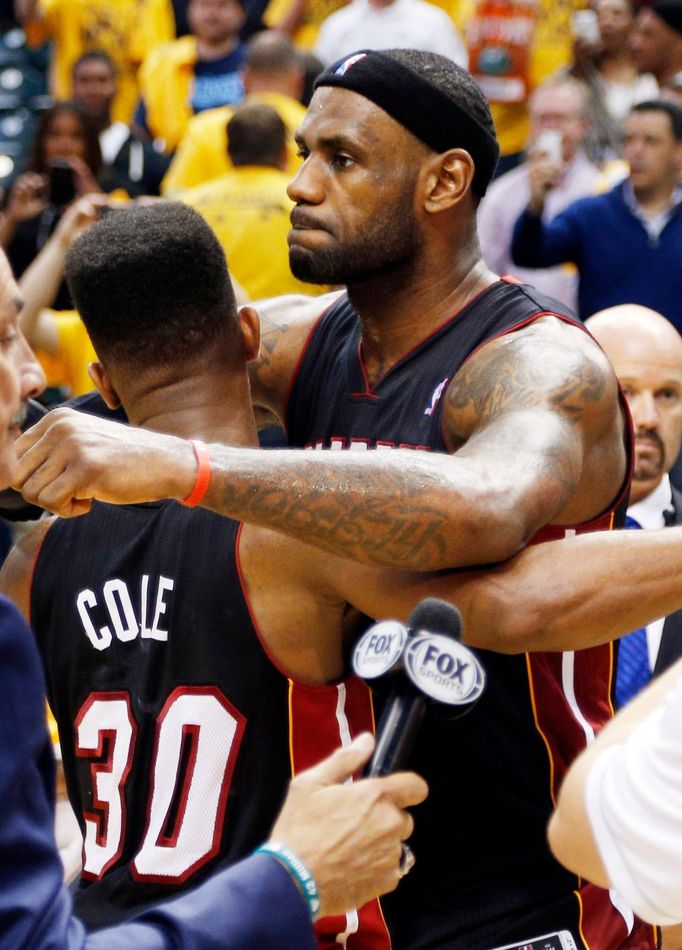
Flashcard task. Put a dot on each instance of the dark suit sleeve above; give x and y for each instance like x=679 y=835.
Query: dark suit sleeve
x=670 y=649
x=538 y=243
x=253 y=905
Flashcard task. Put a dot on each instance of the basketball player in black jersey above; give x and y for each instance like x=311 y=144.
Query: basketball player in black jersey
x=521 y=397
x=104 y=631
x=254 y=904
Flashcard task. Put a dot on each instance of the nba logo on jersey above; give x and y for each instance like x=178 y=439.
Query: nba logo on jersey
x=347 y=63
x=437 y=393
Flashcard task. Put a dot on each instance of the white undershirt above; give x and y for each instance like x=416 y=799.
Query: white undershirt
x=649 y=514
x=633 y=797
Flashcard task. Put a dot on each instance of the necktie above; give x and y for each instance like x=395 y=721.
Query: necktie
x=632 y=672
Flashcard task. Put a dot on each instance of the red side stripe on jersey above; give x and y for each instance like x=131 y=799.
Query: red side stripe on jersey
x=601 y=925
x=570 y=696
x=320 y=722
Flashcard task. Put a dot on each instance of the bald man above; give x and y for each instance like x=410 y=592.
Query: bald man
x=645 y=350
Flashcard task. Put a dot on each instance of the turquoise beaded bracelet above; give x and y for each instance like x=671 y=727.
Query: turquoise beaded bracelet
x=298 y=870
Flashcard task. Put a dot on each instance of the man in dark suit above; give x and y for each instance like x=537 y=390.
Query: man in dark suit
x=646 y=352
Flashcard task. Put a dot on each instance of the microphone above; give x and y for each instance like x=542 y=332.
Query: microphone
x=427 y=663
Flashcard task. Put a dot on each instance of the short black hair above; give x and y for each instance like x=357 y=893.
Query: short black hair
x=673 y=111
x=152 y=288
x=95 y=56
x=256 y=135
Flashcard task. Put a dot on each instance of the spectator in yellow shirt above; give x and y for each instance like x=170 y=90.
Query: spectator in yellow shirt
x=273 y=74
x=128 y=30
x=193 y=73
x=248 y=207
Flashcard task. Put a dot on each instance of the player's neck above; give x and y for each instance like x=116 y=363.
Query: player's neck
x=215 y=410
x=397 y=312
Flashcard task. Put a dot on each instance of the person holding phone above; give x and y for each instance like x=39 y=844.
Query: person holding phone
x=65 y=164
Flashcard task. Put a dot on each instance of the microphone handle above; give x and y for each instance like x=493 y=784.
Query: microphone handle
x=397 y=731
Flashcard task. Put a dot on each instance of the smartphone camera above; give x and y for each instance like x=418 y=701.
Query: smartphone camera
x=62 y=183
x=550 y=142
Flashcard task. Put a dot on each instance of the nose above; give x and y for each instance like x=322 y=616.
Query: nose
x=32 y=379
x=644 y=409
x=306 y=186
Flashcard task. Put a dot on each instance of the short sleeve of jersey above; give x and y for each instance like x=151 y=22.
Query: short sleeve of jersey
x=633 y=798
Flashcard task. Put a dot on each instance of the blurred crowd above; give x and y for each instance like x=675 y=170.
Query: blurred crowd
x=108 y=103
x=103 y=103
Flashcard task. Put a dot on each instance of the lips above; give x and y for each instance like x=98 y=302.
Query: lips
x=301 y=221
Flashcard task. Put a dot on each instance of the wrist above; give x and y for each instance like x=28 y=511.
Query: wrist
x=299 y=871
x=202 y=477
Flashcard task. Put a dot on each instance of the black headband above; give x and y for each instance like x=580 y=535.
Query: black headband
x=418 y=105
x=670 y=11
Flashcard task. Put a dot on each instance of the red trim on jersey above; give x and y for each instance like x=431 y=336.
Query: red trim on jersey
x=168 y=836
x=367 y=394
x=420 y=342
x=301 y=355
x=101 y=816
x=224 y=788
x=603 y=926
x=315 y=731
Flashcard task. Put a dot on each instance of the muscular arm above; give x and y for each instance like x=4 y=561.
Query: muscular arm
x=562 y=595
x=538 y=443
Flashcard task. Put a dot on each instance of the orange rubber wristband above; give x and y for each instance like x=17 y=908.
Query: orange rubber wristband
x=203 y=475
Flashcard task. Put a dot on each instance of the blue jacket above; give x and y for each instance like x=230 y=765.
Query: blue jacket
x=254 y=904
x=617 y=261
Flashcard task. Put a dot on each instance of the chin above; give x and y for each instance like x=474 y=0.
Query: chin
x=304 y=266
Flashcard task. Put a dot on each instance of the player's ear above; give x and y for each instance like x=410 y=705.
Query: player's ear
x=100 y=378
x=250 y=326
x=449 y=179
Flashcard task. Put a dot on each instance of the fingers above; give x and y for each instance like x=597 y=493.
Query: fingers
x=405 y=788
x=342 y=764
x=42 y=476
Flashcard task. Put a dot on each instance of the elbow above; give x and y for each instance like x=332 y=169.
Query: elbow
x=503 y=618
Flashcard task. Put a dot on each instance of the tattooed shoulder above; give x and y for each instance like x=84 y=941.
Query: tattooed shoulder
x=543 y=365
x=285 y=323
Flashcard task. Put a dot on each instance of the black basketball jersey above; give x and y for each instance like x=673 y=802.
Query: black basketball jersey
x=484 y=876
x=179 y=733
